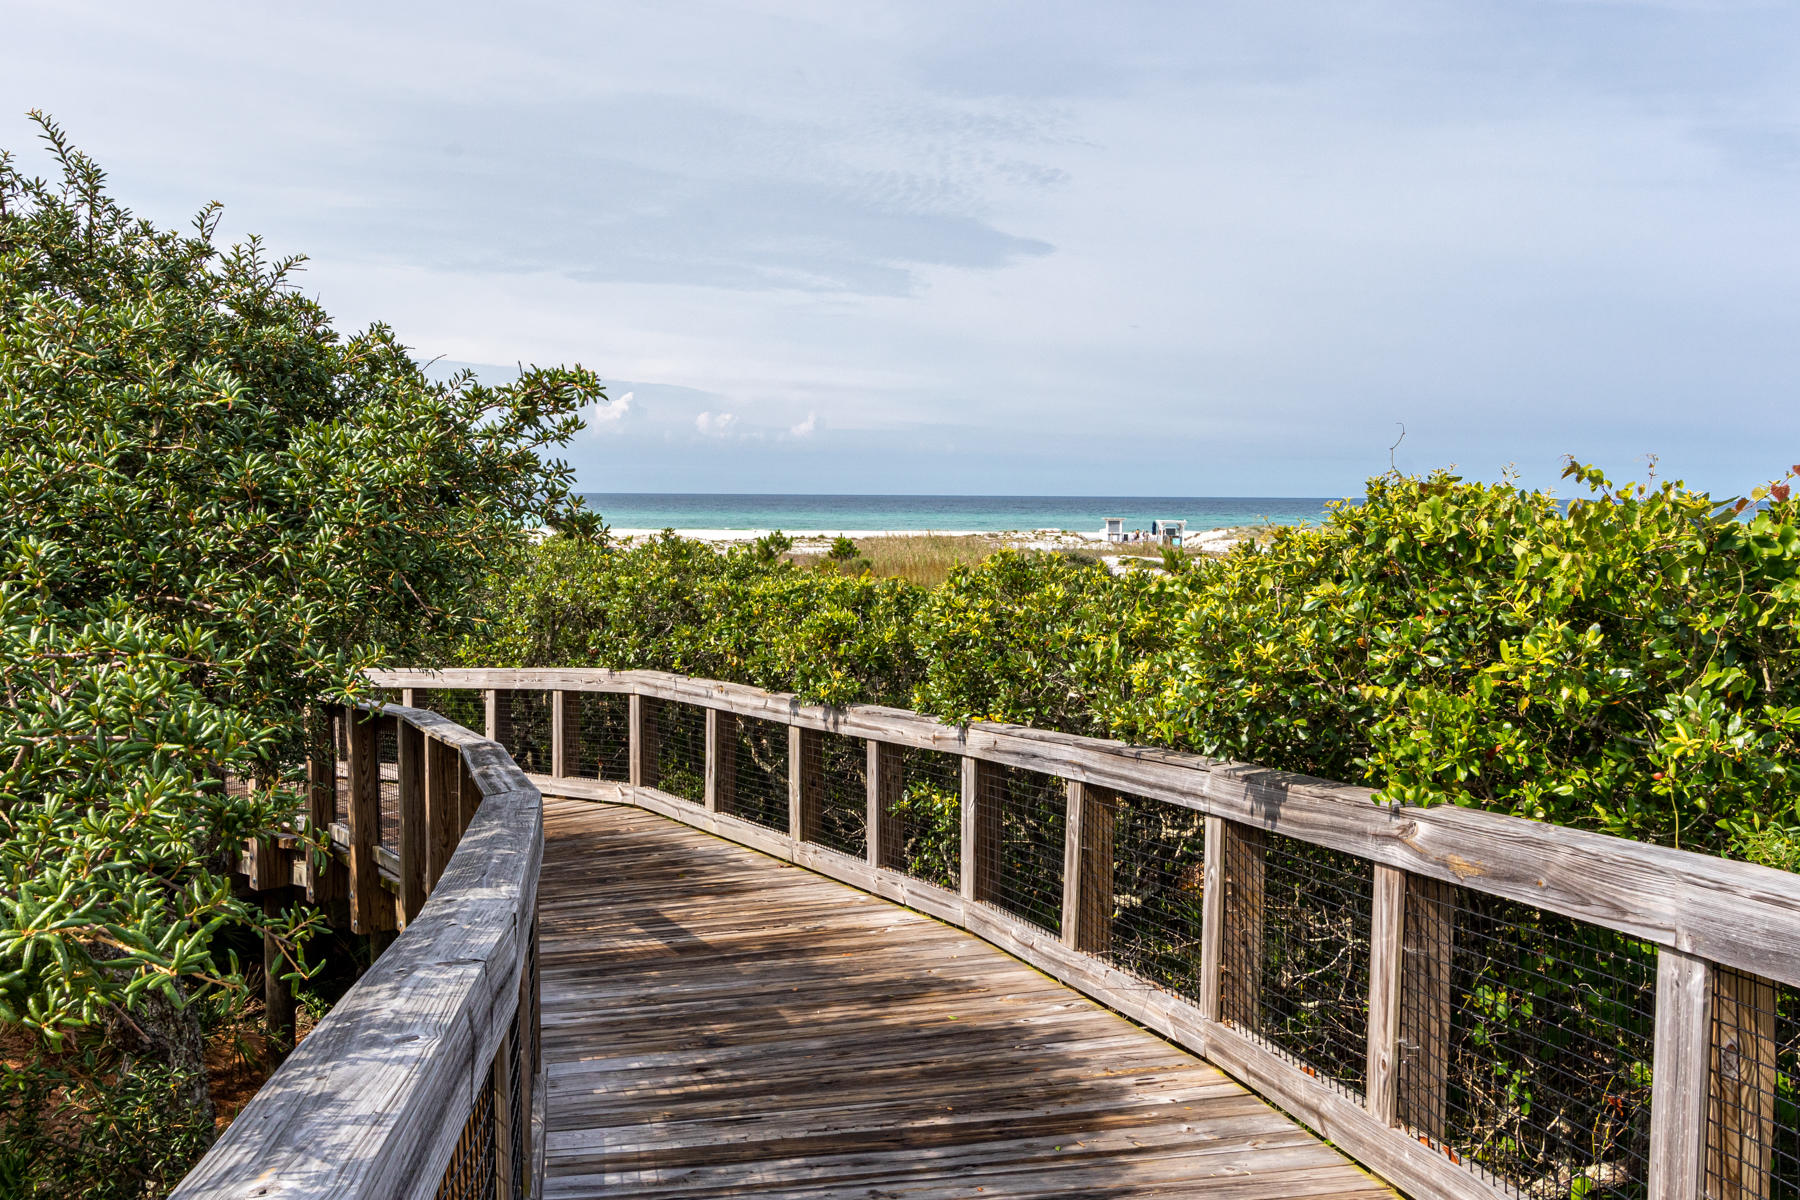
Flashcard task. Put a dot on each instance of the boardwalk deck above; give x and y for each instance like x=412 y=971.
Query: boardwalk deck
x=718 y=1023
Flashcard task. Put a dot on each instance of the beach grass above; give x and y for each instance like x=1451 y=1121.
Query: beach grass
x=925 y=559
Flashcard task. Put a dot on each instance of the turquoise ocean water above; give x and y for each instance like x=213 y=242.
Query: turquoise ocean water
x=653 y=510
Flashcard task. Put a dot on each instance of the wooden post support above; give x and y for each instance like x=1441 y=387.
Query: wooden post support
x=1244 y=855
x=1088 y=868
x=887 y=786
x=1212 y=917
x=1427 y=953
x=806 y=782
x=371 y=909
x=559 y=734
x=490 y=703
x=407 y=696
x=414 y=855
x=646 y=741
x=1678 y=1089
x=1740 y=1144
x=278 y=994
x=323 y=883
x=983 y=787
x=721 y=761
x=1386 y=954
x=442 y=819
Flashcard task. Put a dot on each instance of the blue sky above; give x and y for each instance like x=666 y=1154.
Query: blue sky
x=1215 y=249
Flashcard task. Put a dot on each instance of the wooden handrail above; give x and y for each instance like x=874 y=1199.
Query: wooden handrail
x=1702 y=913
x=381 y=1097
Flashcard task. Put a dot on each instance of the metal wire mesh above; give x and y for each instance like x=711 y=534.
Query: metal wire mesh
x=1158 y=881
x=1294 y=958
x=1753 y=1122
x=524 y=728
x=758 y=773
x=843 y=818
x=678 y=734
x=466 y=706
x=515 y=1116
x=599 y=738
x=470 y=1173
x=926 y=816
x=1020 y=816
x=1526 y=1044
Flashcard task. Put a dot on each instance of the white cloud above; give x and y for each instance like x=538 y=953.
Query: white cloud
x=806 y=427
x=605 y=416
x=714 y=424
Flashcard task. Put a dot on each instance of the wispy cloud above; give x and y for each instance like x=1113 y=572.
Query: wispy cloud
x=805 y=428
x=714 y=424
x=608 y=415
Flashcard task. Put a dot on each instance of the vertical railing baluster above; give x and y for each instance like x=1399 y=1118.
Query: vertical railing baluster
x=441 y=819
x=806 y=782
x=1678 y=1078
x=645 y=741
x=559 y=734
x=410 y=751
x=371 y=909
x=721 y=761
x=1387 y=923
x=1088 y=868
x=887 y=786
x=490 y=704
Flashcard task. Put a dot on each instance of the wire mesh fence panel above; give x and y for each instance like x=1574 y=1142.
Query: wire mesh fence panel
x=843 y=817
x=1159 y=859
x=678 y=732
x=927 y=816
x=759 y=773
x=1020 y=816
x=1753 y=1119
x=470 y=1174
x=515 y=1115
x=1526 y=1044
x=598 y=742
x=466 y=706
x=1294 y=959
x=525 y=727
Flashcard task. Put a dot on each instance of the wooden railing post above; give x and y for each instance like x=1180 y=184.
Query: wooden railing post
x=982 y=783
x=1243 y=856
x=371 y=909
x=1387 y=922
x=645 y=748
x=806 y=782
x=441 y=815
x=321 y=803
x=410 y=749
x=1741 y=1088
x=559 y=734
x=490 y=704
x=278 y=994
x=721 y=761
x=1678 y=1083
x=1088 y=868
x=503 y=1112
x=887 y=785
x=1212 y=917
x=1422 y=1067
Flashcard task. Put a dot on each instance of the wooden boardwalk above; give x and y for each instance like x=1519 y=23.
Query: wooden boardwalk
x=718 y=1023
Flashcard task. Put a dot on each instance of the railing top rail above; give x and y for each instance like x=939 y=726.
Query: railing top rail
x=1734 y=913
x=358 y=1109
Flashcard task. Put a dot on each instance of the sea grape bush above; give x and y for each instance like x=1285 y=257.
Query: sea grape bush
x=1626 y=661
x=214 y=510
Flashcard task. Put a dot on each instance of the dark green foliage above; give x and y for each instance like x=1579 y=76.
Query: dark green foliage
x=214 y=509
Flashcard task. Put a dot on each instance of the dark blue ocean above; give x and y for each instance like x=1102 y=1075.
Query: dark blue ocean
x=670 y=510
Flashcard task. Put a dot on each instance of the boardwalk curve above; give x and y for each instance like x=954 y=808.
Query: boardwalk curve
x=717 y=1022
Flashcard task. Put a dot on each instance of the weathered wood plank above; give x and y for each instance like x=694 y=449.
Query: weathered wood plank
x=1428 y=949
x=887 y=785
x=721 y=760
x=806 y=783
x=1088 y=869
x=1742 y=1085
